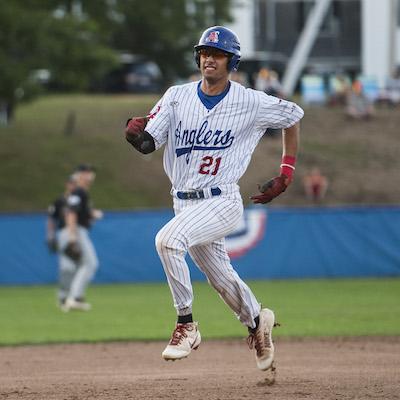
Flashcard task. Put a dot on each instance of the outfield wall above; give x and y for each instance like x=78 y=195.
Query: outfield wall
x=269 y=243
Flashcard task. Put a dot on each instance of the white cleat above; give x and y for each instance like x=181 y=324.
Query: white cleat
x=72 y=304
x=184 y=338
x=261 y=340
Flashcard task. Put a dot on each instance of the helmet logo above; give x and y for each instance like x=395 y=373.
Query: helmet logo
x=213 y=37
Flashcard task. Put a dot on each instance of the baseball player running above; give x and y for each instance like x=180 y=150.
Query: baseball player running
x=210 y=129
x=78 y=259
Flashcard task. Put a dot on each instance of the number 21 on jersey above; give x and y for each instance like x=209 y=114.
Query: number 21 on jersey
x=210 y=165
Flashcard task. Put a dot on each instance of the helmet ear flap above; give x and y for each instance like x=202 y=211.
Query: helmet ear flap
x=233 y=63
x=229 y=64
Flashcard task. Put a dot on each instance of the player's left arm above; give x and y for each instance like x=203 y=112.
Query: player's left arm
x=72 y=249
x=277 y=185
x=290 y=146
x=71 y=222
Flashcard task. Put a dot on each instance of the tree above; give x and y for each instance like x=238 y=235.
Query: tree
x=39 y=34
x=74 y=40
x=165 y=31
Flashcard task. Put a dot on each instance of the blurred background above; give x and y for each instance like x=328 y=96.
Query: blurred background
x=72 y=72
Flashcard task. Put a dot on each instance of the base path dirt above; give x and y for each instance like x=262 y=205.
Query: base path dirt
x=350 y=368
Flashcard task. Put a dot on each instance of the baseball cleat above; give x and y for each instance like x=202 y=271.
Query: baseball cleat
x=73 y=304
x=261 y=340
x=61 y=303
x=185 y=338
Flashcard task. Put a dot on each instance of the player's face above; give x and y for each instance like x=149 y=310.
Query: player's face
x=90 y=177
x=70 y=186
x=86 y=178
x=213 y=63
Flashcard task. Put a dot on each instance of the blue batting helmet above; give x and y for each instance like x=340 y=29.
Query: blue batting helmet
x=223 y=39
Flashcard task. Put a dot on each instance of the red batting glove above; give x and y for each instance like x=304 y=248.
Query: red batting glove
x=135 y=126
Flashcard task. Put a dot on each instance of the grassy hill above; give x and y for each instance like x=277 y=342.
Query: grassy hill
x=360 y=159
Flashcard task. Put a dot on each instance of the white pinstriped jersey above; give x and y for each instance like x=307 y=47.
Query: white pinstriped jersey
x=206 y=148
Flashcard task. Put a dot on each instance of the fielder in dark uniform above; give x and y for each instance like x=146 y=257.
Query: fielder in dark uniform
x=55 y=223
x=78 y=259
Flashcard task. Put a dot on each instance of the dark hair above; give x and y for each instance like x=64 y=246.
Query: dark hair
x=85 y=168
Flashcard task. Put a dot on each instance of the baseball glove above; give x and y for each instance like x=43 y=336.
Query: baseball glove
x=271 y=189
x=73 y=251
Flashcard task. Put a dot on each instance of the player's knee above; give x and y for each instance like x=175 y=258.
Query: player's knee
x=163 y=242
x=166 y=243
x=94 y=266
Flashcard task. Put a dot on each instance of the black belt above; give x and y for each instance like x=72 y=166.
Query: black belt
x=197 y=194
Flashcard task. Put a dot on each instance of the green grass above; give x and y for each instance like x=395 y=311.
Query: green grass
x=133 y=312
x=36 y=155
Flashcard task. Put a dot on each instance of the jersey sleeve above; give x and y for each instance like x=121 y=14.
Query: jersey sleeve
x=277 y=113
x=159 y=118
x=74 y=201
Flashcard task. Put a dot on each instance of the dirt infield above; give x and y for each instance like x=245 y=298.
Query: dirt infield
x=351 y=368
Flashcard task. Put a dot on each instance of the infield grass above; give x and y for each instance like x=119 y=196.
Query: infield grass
x=333 y=307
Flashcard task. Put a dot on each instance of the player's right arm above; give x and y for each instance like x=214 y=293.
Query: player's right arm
x=136 y=135
x=157 y=124
x=51 y=224
x=51 y=230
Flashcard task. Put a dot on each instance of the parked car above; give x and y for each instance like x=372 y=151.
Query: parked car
x=135 y=74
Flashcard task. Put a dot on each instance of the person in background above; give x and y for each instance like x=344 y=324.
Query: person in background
x=358 y=106
x=239 y=77
x=315 y=185
x=78 y=259
x=267 y=81
x=56 y=215
x=56 y=222
x=393 y=88
x=340 y=89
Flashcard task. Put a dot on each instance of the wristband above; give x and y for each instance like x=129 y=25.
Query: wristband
x=288 y=166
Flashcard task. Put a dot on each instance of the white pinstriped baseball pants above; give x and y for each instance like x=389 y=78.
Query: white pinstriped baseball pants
x=200 y=226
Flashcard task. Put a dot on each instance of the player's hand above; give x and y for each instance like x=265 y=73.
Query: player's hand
x=134 y=126
x=97 y=214
x=271 y=189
